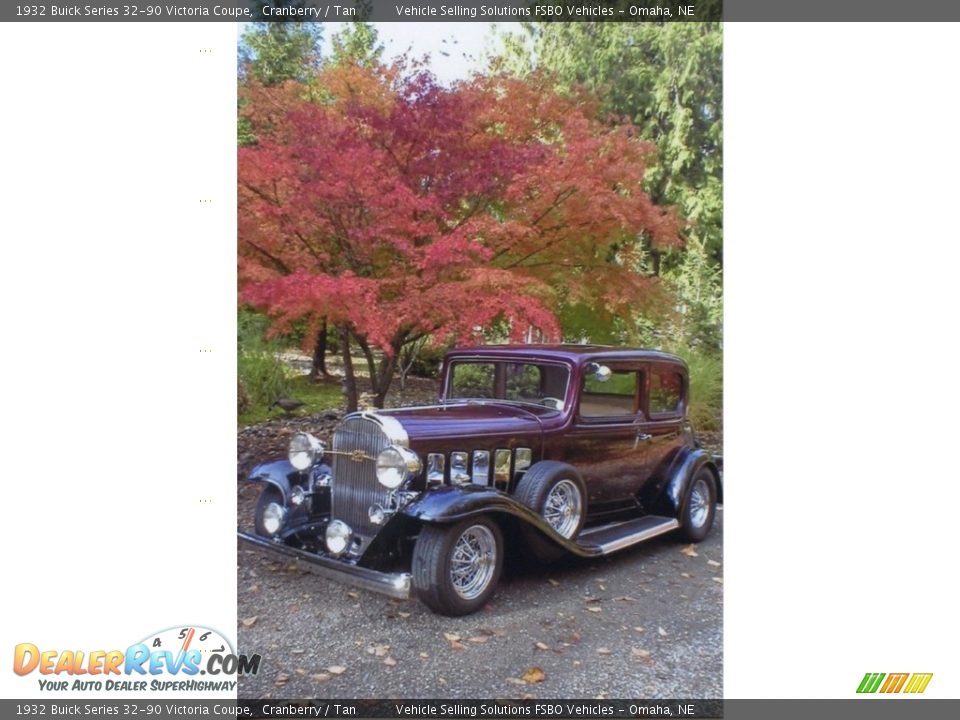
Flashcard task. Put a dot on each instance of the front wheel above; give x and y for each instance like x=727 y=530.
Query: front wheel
x=699 y=506
x=456 y=567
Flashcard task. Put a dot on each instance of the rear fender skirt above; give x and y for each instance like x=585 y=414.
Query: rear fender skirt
x=681 y=473
x=452 y=504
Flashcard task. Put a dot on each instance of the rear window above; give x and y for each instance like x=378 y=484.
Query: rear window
x=666 y=392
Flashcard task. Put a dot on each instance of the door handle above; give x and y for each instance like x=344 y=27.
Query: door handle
x=642 y=437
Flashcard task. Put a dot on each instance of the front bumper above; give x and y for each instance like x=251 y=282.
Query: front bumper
x=396 y=585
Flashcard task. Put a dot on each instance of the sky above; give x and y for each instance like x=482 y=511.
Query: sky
x=456 y=49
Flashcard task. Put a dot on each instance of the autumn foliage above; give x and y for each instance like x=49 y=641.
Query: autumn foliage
x=394 y=208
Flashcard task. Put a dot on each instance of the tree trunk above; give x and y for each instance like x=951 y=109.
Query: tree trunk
x=380 y=376
x=319 y=365
x=349 y=379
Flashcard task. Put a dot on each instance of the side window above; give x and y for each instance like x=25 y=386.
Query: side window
x=614 y=398
x=666 y=392
x=523 y=382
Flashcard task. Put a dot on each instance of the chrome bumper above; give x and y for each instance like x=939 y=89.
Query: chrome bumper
x=396 y=585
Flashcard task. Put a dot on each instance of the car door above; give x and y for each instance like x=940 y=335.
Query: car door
x=605 y=441
x=663 y=404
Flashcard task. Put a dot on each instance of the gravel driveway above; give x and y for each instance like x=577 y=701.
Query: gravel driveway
x=644 y=623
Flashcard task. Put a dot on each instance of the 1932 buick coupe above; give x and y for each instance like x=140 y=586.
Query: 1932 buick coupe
x=540 y=449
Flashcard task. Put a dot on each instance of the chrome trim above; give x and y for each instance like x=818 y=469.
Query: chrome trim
x=627 y=540
x=475 y=477
x=436 y=466
x=501 y=474
x=396 y=585
x=522 y=459
x=391 y=427
x=458 y=468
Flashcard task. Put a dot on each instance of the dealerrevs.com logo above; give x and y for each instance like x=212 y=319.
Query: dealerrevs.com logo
x=181 y=659
x=894 y=682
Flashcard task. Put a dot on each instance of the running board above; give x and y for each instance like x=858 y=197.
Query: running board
x=605 y=539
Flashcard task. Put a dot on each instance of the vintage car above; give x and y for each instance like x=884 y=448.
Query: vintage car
x=543 y=449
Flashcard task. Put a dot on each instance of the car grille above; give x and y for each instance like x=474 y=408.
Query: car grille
x=355 y=487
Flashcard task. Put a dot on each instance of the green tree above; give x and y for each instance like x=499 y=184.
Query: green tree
x=357 y=43
x=273 y=52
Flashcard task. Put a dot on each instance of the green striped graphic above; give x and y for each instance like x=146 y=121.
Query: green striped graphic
x=870 y=682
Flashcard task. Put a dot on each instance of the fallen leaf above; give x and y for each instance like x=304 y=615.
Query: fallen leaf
x=555 y=583
x=686 y=575
x=638 y=628
x=336 y=669
x=624 y=598
x=389 y=662
x=478 y=639
x=594 y=608
x=300 y=671
x=378 y=650
x=354 y=595
x=689 y=551
x=249 y=622
x=456 y=645
x=403 y=614
x=602 y=588
x=542 y=646
x=533 y=675
x=256 y=588
x=661 y=632
x=592 y=599
x=281 y=680
x=320 y=677
x=603 y=651
x=292 y=567
x=576 y=663
x=516 y=681
x=718 y=579
x=640 y=652
x=424 y=655
x=709 y=562
x=452 y=637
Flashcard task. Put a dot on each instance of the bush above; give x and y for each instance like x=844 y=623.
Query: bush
x=705 y=408
x=427 y=362
x=263 y=376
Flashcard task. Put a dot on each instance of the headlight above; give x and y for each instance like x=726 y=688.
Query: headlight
x=304 y=451
x=396 y=465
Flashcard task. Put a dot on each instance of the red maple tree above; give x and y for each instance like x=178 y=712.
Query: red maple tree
x=394 y=208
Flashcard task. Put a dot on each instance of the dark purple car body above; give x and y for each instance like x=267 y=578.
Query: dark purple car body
x=548 y=449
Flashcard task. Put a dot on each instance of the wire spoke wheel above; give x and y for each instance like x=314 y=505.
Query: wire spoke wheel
x=699 y=503
x=563 y=508
x=473 y=561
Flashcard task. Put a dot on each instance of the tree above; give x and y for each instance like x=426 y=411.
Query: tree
x=274 y=52
x=397 y=209
x=357 y=43
x=665 y=79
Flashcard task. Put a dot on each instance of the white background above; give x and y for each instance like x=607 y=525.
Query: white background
x=841 y=392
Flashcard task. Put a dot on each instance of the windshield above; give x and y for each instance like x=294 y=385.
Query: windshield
x=526 y=382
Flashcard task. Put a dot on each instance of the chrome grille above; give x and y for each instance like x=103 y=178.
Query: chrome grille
x=355 y=487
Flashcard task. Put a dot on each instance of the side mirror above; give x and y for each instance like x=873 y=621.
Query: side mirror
x=601 y=373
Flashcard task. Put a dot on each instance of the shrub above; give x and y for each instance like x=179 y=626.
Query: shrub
x=706 y=390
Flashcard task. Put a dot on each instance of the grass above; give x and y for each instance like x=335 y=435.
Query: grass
x=315 y=398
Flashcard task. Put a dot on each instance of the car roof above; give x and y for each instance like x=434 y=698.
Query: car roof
x=577 y=354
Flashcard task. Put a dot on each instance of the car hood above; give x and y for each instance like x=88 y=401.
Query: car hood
x=469 y=419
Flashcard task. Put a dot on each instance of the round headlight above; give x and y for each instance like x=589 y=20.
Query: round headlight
x=273 y=517
x=304 y=451
x=338 y=536
x=396 y=465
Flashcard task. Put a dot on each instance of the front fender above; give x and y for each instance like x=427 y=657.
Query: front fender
x=279 y=473
x=451 y=504
x=682 y=471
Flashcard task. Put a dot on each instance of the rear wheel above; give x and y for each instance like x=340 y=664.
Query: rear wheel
x=456 y=567
x=699 y=506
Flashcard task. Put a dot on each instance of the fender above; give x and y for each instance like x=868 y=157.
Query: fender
x=681 y=473
x=451 y=504
x=279 y=473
